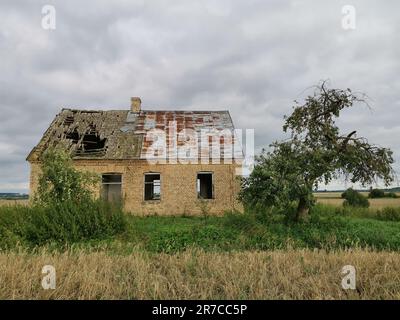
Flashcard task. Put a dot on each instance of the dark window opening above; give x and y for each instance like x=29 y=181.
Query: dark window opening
x=152 y=186
x=112 y=187
x=205 y=185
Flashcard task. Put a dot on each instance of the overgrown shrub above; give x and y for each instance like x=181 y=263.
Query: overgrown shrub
x=69 y=222
x=354 y=198
x=64 y=210
x=391 y=195
x=376 y=193
x=60 y=182
x=389 y=214
x=346 y=193
x=61 y=223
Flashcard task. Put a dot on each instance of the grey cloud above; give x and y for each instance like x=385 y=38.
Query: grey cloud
x=251 y=57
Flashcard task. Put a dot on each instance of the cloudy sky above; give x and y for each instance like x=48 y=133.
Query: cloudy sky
x=251 y=57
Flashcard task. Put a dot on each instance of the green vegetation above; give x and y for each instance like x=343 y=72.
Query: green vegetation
x=63 y=212
x=65 y=215
x=389 y=214
x=316 y=152
x=354 y=198
x=329 y=228
x=60 y=182
x=378 y=193
x=60 y=224
x=13 y=196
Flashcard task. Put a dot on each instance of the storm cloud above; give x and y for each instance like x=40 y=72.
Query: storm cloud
x=250 y=57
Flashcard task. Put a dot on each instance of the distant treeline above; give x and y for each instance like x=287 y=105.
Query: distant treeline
x=13 y=196
x=396 y=189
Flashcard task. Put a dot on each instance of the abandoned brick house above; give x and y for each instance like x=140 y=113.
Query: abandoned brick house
x=149 y=175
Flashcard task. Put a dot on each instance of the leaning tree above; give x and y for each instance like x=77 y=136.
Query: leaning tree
x=315 y=153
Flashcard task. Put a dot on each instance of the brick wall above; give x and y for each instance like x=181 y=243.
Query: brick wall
x=178 y=185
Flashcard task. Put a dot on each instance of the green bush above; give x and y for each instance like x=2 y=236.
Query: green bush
x=61 y=182
x=328 y=228
x=69 y=222
x=391 y=195
x=354 y=198
x=376 y=193
x=389 y=214
x=64 y=210
x=61 y=223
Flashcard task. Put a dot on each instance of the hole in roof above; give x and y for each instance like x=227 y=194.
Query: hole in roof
x=89 y=144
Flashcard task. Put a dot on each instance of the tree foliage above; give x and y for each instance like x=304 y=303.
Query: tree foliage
x=354 y=198
x=315 y=152
x=60 y=182
x=376 y=193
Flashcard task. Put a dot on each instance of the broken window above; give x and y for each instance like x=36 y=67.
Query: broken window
x=152 y=186
x=205 y=185
x=112 y=187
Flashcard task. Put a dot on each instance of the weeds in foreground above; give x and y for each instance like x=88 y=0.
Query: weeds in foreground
x=59 y=223
x=329 y=228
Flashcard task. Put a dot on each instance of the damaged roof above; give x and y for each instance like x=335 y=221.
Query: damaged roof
x=121 y=134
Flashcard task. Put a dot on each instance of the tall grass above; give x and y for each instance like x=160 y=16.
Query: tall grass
x=92 y=224
x=384 y=214
x=59 y=223
x=328 y=229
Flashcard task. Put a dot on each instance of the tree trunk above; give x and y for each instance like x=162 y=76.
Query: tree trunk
x=302 y=210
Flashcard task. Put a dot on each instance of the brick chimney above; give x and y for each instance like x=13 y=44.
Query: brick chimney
x=135 y=104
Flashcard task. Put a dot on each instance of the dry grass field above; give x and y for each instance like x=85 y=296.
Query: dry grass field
x=300 y=274
x=121 y=271
x=333 y=198
x=14 y=202
x=330 y=198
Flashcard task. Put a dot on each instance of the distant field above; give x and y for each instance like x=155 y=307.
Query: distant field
x=333 y=198
x=13 y=202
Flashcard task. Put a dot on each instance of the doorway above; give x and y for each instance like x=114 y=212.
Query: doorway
x=112 y=187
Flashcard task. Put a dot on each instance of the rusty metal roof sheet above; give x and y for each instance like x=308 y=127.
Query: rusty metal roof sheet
x=125 y=132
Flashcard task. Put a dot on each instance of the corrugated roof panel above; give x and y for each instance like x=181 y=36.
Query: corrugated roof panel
x=126 y=132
